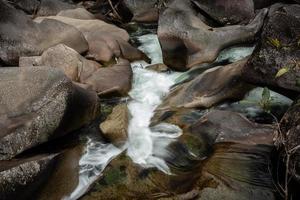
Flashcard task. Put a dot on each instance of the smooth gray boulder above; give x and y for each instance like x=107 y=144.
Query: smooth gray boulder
x=38 y=104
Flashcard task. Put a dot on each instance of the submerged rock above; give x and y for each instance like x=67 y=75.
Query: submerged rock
x=115 y=126
x=275 y=61
x=187 y=41
x=227 y=11
x=20 y=36
x=209 y=88
x=39 y=104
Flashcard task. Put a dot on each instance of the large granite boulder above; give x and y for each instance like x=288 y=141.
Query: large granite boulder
x=39 y=104
x=20 y=36
x=187 y=41
x=275 y=61
x=106 y=41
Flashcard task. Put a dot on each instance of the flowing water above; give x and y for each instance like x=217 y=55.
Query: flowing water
x=149 y=87
x=146 y=145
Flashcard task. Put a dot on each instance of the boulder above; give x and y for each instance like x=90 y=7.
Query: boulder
x=227 y=11
x=41 y=7
x=28 y=6
x=227 y=126
x=275 y=62
x=106 y=41
x=75 y=67
x=114 y=80
x=20 y=36
x=39 y=104
x=115 y=126
x=19 y=179
x=160 y=67
x=143 y=11
x=187 y=41
x=205 y=91
x=53 y=7
x=77 y=13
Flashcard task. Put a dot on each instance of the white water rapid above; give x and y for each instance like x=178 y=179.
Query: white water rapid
x=144 y=146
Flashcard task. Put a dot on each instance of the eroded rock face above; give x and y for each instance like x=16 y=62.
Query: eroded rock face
x=290 y=137
x=209 y=88
x=114 y=80
x=105 y=41
x=20 y=36
x=19 y=179
x=228 y=11
x=143 y=11
x=39 y=104
x=115 y=126
x=275 y=61
x=187 y=41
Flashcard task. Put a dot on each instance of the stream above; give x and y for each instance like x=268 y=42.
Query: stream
x=145 y=146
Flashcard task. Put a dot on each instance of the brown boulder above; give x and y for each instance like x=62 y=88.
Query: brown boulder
x=115 y=126
x=113 y=80
x=205 y=91
x=187 y=41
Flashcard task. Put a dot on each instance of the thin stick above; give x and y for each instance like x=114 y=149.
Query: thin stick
x=114 y=10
